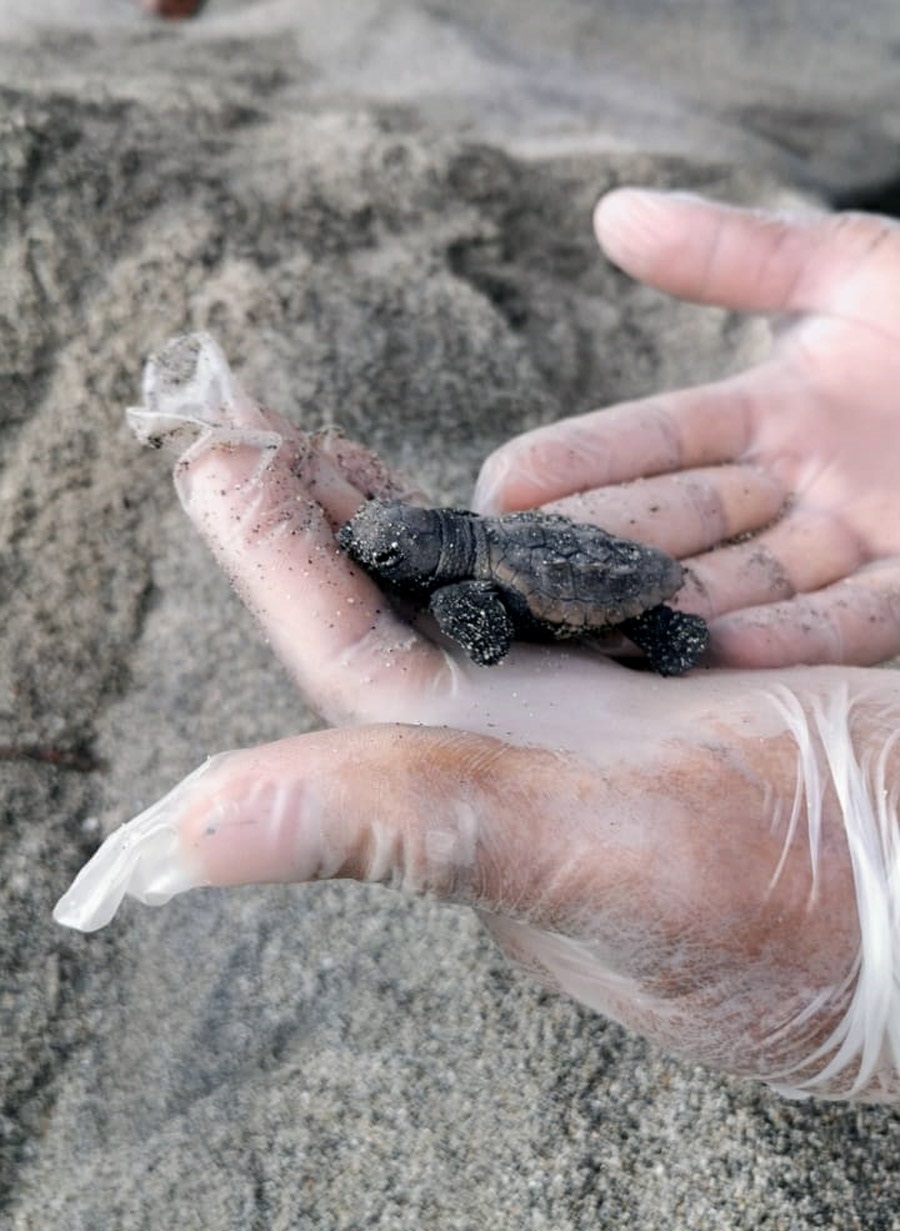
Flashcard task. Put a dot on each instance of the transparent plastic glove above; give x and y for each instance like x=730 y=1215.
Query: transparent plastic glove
x=797 y=459
x=711 y=860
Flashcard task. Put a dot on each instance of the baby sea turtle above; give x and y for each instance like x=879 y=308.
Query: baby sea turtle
x=538 y=576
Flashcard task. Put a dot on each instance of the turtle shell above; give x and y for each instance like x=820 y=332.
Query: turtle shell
x=573 y=577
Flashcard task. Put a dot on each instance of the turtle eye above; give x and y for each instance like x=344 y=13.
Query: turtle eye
x=389 y=557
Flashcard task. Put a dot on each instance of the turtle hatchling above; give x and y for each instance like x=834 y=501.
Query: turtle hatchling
x=535 y=576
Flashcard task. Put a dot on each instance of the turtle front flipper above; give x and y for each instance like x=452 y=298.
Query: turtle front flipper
x=671 y=640
x=473 y=614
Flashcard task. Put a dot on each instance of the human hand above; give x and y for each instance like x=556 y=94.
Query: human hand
x=640 y=843
x=778 y=486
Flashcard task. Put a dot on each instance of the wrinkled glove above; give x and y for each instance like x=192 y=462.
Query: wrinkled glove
x=711 y=860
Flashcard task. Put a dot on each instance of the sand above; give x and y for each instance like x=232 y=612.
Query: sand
x=383 y=217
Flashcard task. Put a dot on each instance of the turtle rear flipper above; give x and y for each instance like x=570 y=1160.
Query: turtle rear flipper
x=472 y=613
x=671 y=640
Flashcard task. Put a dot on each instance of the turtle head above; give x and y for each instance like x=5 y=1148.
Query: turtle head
x=398 y=543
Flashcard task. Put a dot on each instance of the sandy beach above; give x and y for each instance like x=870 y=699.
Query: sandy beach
x=383 y=216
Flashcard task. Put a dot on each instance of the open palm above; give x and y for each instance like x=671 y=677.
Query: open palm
x=779 y=485
x=670 y=852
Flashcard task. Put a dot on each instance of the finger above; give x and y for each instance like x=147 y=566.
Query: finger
x=798 y=554
x=854 y=622
x=267 y=499
x=619 y=858
x=430 y=810
x=658 y=435
x=272 y=531
x=684 y=513
x=751 y=260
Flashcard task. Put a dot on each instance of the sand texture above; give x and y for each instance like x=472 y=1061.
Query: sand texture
x=424 y=275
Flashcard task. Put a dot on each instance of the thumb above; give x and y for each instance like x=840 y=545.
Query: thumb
x=430 y=810
x=752 y=260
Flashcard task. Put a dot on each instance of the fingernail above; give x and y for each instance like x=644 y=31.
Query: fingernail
x=488 y=486
x=629 y=220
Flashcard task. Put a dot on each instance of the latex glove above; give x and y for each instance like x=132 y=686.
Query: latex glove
x=796 y=458
x=711 y=860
